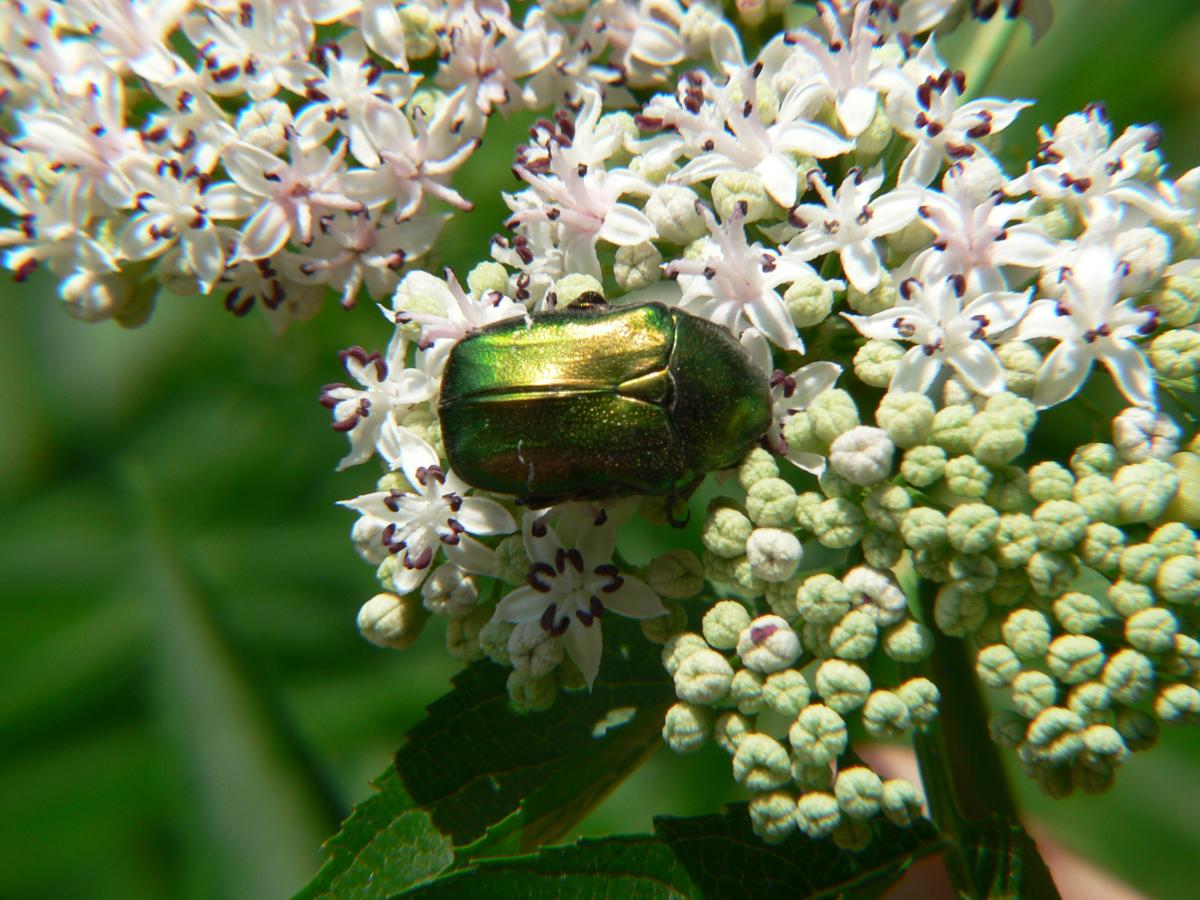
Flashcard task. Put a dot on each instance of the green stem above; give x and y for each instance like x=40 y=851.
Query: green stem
x=986 y=50
x=966 y=786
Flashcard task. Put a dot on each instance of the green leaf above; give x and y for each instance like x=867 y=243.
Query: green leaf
x=494 y=781
x=714 y=856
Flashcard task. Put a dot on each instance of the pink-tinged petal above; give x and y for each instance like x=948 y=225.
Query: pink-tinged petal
x=780 y=180
x=892 y=211
x=1130 y=371
x=656 y=44
x=387 y=127
x=633 y=599
x=626 y=226
x=810 y=140
x=1043 y=320
x=978 y=366
x=480 y=515
x=856 y=108
x=1025 y=245
x=313 y=126
x=882 y=325
x=1001 y=310
x=916 y=371
x=249 y=166
x=471 y=555
x=1061 y=375
x=522 y=605
x=265 y=234
x=921 y=166
x=585 y=646
x=814 y=241
x=1143 y=197
x=1000 y=113
x=138 y=241
x=228 y=201
x=860 y=262
x=702 y=168
x=384 y=32
x=206 y=255
x=770 y=316
x=813 y=463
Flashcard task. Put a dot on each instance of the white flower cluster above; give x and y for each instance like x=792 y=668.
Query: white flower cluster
x=272 y=151
x=834 y=203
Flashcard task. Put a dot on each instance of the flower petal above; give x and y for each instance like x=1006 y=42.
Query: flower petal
x=585 y=645
x=634 y=599
x=522 y=605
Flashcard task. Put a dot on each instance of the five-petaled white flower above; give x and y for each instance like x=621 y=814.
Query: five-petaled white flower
x=791 y=394
x=944 y=331
x=434 y=514
x=570 y=590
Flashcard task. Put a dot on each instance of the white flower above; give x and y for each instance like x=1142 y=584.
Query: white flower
x=435 y=513
x=570 y=590
x=735 y=283
x=642 y=38
x=928 y=113
x=134 y=33
x=1091 y=323
x=389 y=391
x=250 y=49
x=848 y=223
x=791 y=394
x=944 y=331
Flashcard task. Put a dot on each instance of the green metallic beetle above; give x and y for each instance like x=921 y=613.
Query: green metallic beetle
x=595 y=401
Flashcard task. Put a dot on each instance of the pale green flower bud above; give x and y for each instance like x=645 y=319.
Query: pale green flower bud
x=922 y=697
x=758 y=465
x=1051 y=573
x=883 y=296
x=952 y=428
x=734 y=572
x=1011 y=588
x=760 y=763
x=1097 y=496
x=835 y=486
x=1101 y=547
x=882 y=549
x=996 y=441
x=687 y=727
x=1185 y=506
x=908 y=641
x=768 y=644
x=838 y=523
x=800 y=435
x=1056 y=735
x=1129 y=676
x=729 y=730
x=1095 y=459
x=1129 y=597
x=1141 y=562
x=907 y=418
x=822 y=599
x=1178 y=580
x=1017 y=411
x=678 y=648
x=746 y=690
x=924 y=528
x=958 y=612
x=862 y=455
x=450 y=592
x=1152 y=630
x=818 y=736
x=967 y=477
x=854 y=636
x=997 y=666
x=703 y=677
x=571 y=287
x=832 y=413
x=811 y=778
x=1145 y=489
x=852 y=835
x=901 y=802
x=1050 y=481
x=1078 y=613
x=886 y=504
x=672 y=209
x=388 y=620
x=871 y=142
x=974 y=573
x=1178 y=300
x=533 y=650
x=1178 y=704
x=1145 y=252
x=1021 y=364
x=781 y=597
x=1103 y=747
x=1032 y=692
x=923 y=465
x=1009 y=491
x=512 y=564
x=1176 y=354
x=807 y=505
x=773 y=554
x=637 y=266
x=1174 y=539
x=809 y=300
x=817 y=814
x=843 y=686
x=725 y=531
x=660 y=629
x=876 y=360
x=933 y=564
x=676 y=575
x=486 y=277
x=1141 y=434
x=1027 y=632
x=420 y=30
x=1184 y=659
x=1092 y=702
x=859 y=790
x=1060 y=524
x=1138 y=728
x=786 y=693
x=493 y=640
x=773 y=815
x=731 y=189
x=771 y=501
x=885 y=715
x=724 y=623
x=972 y=527
x=532 y=694
x=1073 y=658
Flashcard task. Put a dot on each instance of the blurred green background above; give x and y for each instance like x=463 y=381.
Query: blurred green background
x=187 y=708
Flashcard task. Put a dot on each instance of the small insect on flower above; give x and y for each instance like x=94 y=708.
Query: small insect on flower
x=593 y=402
